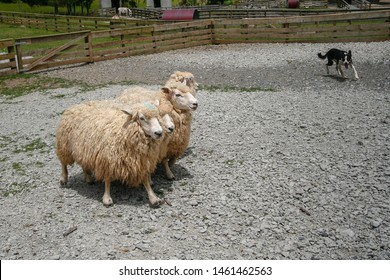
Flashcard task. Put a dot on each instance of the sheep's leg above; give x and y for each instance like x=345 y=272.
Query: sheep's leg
x=153 y=199
x=150 y=180
x=107 y=200
x=64 y=175
x=168 y=172
x=88 y=176
x=172 y=161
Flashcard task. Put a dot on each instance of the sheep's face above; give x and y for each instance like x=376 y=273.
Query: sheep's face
x=186 y=78
x=151 y=126
x=182 y=100
x=146 y=115
x=168 y=124
x=189 y=80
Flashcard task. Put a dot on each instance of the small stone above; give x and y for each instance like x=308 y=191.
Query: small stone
x=348 y=232
x=193 y=203
x=376 y=223
x=142 y=247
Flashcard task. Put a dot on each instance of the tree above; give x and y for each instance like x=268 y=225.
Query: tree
x=32 y=3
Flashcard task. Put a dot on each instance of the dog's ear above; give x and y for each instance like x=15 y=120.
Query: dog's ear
x=349 y=52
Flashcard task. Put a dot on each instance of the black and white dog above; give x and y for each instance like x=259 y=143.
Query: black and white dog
x=340 y=57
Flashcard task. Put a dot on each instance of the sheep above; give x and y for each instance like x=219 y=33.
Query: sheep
x=165 y=111
x=185 y=78
x=124 y=11
x=112 y=143
x=183 y=104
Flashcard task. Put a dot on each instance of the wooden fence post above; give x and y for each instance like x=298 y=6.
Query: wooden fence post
x=19 y=57
x=88 y=41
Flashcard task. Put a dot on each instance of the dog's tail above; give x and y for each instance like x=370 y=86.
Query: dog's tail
x=321 y=56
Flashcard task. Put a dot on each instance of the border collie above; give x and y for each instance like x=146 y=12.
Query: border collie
x=340 y=57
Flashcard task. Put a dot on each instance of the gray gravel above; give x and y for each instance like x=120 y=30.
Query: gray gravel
x=296 y=168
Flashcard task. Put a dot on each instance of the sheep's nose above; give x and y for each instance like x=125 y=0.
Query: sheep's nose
x=158 y=134
x=170 y=129
x=194 y=105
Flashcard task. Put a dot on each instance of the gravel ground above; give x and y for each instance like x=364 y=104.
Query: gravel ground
x=297 y=167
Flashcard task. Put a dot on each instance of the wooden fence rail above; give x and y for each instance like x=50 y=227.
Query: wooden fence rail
x=91 y=46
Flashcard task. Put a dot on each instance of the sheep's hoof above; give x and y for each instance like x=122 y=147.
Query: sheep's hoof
x=63 y=182
x=107 y=201
x=157 y=203
x=171 y=178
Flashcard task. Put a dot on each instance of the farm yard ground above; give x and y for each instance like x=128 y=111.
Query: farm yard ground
x=284 y=162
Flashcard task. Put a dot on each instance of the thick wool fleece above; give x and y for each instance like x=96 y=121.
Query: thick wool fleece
x=107 y=142
x=180 y=139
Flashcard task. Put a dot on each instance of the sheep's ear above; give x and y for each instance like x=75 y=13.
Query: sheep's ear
x=181 y=78
x=132 y=116
x=167 y=91
x=127 y=112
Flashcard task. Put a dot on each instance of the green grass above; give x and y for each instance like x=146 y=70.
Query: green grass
x=19 y=168
x=14 y=32
x=34 y=145
x=15 y=188
x=24 y=8
x=21 y=84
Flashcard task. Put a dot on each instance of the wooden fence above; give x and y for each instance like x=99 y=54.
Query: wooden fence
x=343 y=27
x=91 y=46
x=7 y=57
x=62 y=23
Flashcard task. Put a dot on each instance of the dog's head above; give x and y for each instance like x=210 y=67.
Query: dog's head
x=347 y=58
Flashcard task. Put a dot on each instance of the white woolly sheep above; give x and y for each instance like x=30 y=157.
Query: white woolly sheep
x=183 y=104
x=186 y=78
x=124 y=11
x=112 y=143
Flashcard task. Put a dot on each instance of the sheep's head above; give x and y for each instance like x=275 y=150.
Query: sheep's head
x=146 y=115
x=186 y=78
x=181 y=97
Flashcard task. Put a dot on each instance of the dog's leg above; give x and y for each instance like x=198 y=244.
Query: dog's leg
x=339 y=69
x=354 y=71
x=330 y=63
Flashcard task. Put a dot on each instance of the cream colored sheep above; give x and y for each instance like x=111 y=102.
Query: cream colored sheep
x=186 y=78
x=183 y=103
x=165 y=111
x=112 y=143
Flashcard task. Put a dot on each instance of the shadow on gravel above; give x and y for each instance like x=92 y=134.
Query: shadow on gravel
x=123 y=194
x=336 y=78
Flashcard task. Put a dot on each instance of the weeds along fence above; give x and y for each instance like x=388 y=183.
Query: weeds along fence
x=31 y=54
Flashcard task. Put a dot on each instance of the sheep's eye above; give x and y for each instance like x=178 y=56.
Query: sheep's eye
x=142 y=118
x=178 y=95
